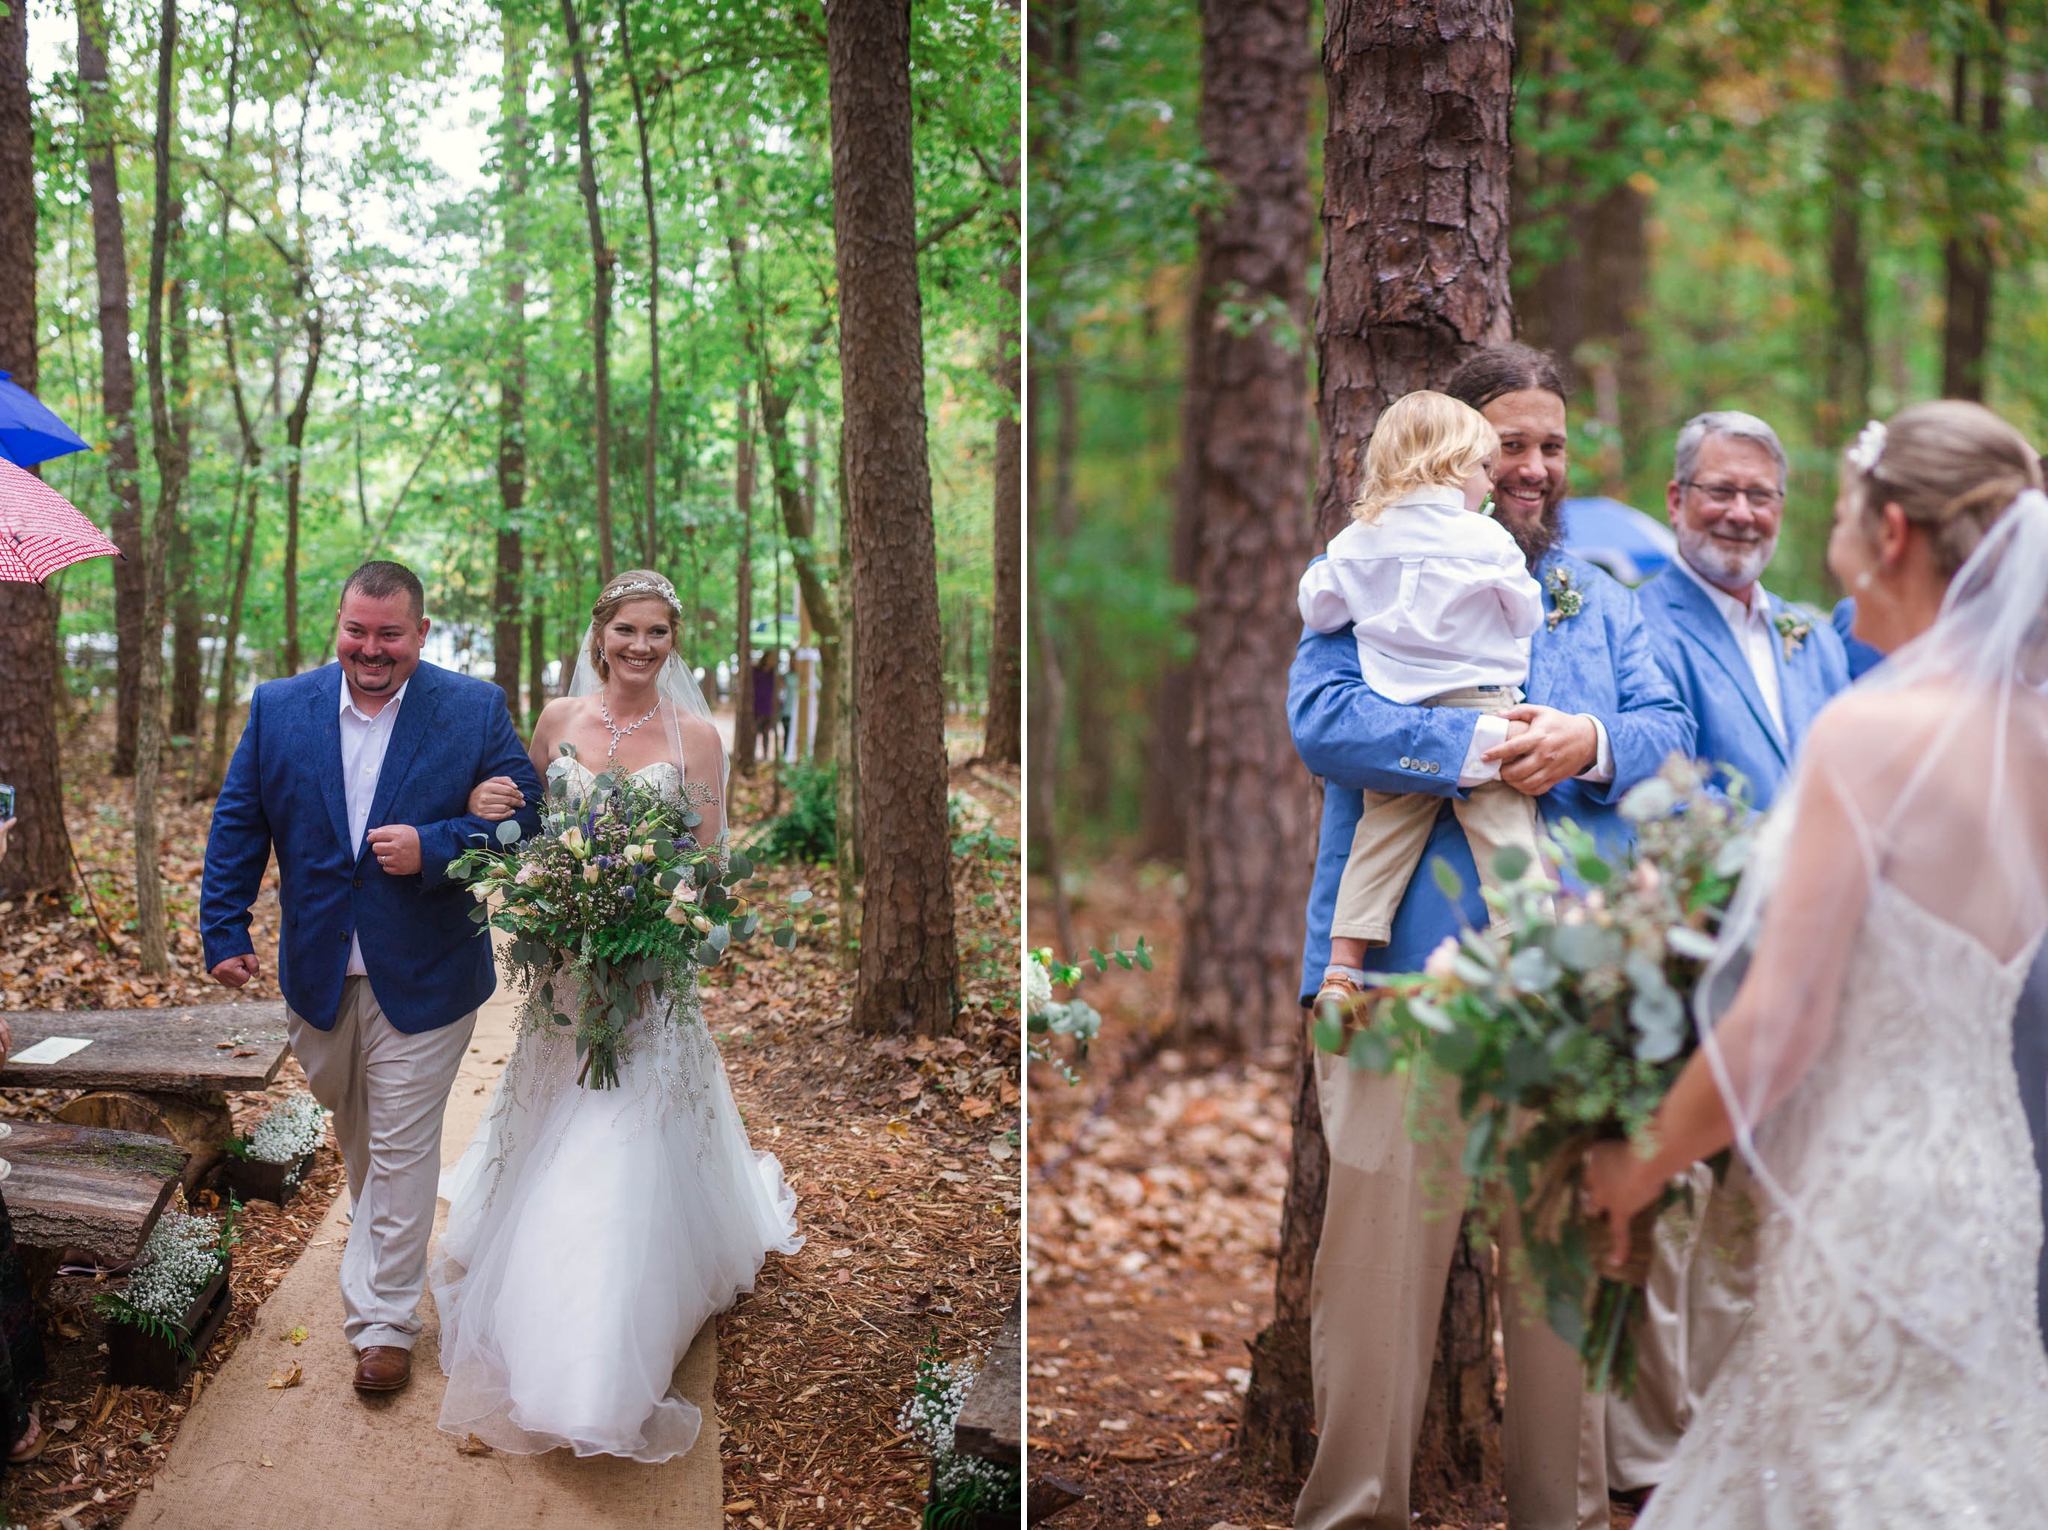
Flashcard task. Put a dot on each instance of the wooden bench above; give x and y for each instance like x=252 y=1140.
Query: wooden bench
x=162 y=1072
x=991 y=1418
x=79 y=1188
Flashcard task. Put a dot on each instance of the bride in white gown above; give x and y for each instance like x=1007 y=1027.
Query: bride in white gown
x=591 y=1232
x=1859 y=1031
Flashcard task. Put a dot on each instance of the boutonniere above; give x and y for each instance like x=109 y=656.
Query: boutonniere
x=1794 y=627
x=1565 y=600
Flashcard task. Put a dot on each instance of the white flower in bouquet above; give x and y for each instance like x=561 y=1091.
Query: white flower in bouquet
x=1443 y=961
x=684 y=893
x=574 y=843
x=526 y=874
x=1037 y=986
x=481 y=891
x=703 y=924
x=676 y=913
x=591 y=874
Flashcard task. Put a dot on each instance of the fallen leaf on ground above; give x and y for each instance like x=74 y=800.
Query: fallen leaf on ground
x=297 y=1335
x=472 y=1447
x=267 y=1461
x=739 y=1506
x=279 y=1380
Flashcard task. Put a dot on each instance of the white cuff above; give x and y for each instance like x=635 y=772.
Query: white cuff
x=1487 y=732
x=1603 y=761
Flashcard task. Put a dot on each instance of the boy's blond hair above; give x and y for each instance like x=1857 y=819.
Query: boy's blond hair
x=1423 y=440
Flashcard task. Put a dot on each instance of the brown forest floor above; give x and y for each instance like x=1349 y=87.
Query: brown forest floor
x=902 y=1153
x=1156 y=1188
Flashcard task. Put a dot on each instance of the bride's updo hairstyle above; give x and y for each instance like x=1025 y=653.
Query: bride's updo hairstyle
x=1952 y=467
x=634 y=584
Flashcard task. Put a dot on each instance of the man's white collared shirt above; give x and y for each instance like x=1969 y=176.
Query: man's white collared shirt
x=1755 y=637
x=364 y=740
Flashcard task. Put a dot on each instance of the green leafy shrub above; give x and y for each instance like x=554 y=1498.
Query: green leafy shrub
x=809 y=830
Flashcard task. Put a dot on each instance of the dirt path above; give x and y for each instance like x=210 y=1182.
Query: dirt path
x=316 y=1455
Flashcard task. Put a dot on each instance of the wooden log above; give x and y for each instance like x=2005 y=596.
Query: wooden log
x=172 y=1049
x=992 y=1417
x=201 y=1124
x=74 y=1187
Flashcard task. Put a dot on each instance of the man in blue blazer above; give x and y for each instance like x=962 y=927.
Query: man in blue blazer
x=358 y=776
x=1755 y=672
x=1862 y=657
x=1600 y=717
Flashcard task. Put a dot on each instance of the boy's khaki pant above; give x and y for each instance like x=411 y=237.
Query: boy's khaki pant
x=1393 y=829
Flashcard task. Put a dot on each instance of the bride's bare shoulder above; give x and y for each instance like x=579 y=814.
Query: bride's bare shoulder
x=557 y=720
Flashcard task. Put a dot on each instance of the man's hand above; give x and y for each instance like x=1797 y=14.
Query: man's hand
x=496 y=799
x=397 y=848
x=1555 y=747
x=236 y=971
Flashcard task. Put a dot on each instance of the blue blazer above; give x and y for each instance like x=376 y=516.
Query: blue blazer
x=1596 y=662
x=1700 y=654
x=284 y=792
x=1862 y=657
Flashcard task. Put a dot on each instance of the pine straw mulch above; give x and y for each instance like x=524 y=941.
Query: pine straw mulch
x=903 y=1155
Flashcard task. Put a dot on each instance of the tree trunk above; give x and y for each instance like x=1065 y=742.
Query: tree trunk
x=231 y=637
x=1251 y=817
x=1279 y=1434
x=152 y=929
x=653 y=283
x=1977 y=184
x=295 y=441
x=743 y=723
x=909 y=977
x=799 y=526
x=846 y=851
x=1847 y=404
x=117 y=374
x=536 y=645
x=507 y=626
x=1003 y=731
x=187 y=679
x=1415 y=274
x=38 y=850
x=601 y=262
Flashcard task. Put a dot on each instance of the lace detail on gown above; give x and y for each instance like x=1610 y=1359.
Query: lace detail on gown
x=1842 y=1404
x=591 y=1233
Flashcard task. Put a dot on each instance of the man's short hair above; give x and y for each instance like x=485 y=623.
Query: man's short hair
x=381 y=579
x=1493 y=371
x=1693 y=434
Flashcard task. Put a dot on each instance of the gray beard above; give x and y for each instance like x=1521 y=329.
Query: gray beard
x=1721 y=566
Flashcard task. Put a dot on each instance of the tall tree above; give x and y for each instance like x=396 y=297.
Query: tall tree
x=1848 y=334
x=1415 y=274
x=295 y=473
x=743 y=724
x=1003 y=733
x=1976 y=188
x=507 y=628
x=1251 y=819
x=653 y=545
x=37 y=852
x=909 y=961
x=117 y=372
x=152 y=929
x=182 y=580
x=602 y=260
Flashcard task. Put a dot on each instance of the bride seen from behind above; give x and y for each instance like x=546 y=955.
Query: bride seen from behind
x=1860 y=1026
x=591 y=1233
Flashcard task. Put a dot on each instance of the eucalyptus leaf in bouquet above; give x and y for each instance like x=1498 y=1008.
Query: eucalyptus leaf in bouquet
x=1564 y=1026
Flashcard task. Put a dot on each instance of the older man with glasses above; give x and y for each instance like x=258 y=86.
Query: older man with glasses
x=1754 y=671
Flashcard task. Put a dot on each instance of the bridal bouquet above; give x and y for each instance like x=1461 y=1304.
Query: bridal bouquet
x=613 y=895
x=1568 y=1028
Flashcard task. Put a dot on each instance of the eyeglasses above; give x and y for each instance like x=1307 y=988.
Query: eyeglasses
x=1722 y=496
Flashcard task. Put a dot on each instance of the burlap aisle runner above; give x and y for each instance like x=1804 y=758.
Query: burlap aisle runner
x=317 y=1457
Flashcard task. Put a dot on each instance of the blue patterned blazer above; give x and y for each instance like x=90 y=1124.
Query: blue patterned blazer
x=1700 y=654
x=284 y=792
x=1862 y=657
x=1597 y=662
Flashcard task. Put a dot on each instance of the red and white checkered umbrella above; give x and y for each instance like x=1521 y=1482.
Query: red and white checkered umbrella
x=41 y=531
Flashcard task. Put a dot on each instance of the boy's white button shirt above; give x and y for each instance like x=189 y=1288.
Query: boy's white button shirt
x=1440 y=598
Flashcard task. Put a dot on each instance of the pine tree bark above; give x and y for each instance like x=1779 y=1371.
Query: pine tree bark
x=536 y=643
x=653 y=285
x=1415 y=274
x=1977 y=185
x=743 y=723
x=1847 y=404
x=799 y=524
x=117 y=373
x=507 y=626
x=846 y=849
x=152 y=931
x=1251 y=816
x=909 y=976
x=602 y=260
x=1003 y=731
x=38 y=850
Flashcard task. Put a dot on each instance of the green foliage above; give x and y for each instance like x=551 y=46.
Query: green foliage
x=808 y=830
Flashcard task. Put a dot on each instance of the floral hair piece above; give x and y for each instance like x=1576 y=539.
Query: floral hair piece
x=1868 y=449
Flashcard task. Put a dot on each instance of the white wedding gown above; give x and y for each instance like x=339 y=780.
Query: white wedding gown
x=1907 y=1156
x=591 y=1232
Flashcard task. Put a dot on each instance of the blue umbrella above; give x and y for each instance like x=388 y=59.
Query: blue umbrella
x=1619 y=538
x=29 y=432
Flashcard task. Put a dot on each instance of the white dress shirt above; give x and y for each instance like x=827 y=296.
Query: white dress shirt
x=1755 y=637
x=364 y=740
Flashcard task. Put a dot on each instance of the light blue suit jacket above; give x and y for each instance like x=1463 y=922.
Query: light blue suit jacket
x=283 y=792
x=1700 y=654
x=1597 y=662
x=1862 y=657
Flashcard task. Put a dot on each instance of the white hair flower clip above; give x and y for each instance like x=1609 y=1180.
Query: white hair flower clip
x=1868 y=448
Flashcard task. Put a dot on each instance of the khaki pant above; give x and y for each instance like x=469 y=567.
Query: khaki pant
x=1393 y=830
x=1390 y=1227
x=1702 y=1291
x=388 y=1092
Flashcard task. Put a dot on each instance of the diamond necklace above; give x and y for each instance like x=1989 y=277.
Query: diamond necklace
x=618 y=734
